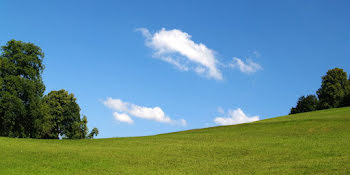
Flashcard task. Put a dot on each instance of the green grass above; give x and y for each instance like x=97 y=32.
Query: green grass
x=309 y=143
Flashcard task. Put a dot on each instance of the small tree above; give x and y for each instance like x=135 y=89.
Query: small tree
x=83 y=127
x=335 y=87
x=94 y=132
x=305 y=104
x=63 y=114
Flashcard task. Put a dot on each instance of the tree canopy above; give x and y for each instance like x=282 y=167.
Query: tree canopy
x=63 y=112
x=305 y=104
x=334 y=88
x=333 y=93
x=24 y=110
x=21 y=88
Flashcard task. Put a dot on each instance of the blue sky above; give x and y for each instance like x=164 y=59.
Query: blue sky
x=144 y=67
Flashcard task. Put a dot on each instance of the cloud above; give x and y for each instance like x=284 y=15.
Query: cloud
x=124 y=109
x=123 y=117
x=155 y=113
x=235 y=117
x=176 y=47
x=246 y=67
x=177 y=63
x=116 y=104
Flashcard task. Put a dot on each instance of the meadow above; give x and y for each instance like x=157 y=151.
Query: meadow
x=306 y=143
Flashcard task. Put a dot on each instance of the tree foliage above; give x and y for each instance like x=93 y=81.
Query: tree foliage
x=333 y=93
x=94 y=132
x=24 y=111
x=63 y=115
x=346 y=101
x=335 y=87
x=305 y=104
x=21 y=88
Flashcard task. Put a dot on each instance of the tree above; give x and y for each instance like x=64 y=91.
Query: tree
x=24 y=112
x=346 y=101
x=21 y=88
x=305 y=104
x=83 y=127
x=335 y=87
x=62 y=118
x=94 y=132
x=63 y=114
x=45 y=125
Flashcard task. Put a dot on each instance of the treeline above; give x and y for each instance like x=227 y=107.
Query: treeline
x=333 y=93
x=25 y=111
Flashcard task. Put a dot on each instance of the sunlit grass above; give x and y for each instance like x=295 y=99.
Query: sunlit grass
x=307 y=143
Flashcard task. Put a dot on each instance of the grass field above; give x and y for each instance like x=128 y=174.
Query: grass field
x=308 y=143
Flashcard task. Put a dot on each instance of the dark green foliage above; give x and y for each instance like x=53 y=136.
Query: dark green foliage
x=94 y=132
x=63 y=117
x=346 y=101
x=334 y=93
x=24 y=112
x=305 y=104
x=21 y=88
x=335 y=87
x=83 y=127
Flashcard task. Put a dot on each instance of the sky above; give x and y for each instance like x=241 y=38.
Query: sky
x=148 y=67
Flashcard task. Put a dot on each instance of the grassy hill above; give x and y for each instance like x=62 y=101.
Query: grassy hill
x=307 y=143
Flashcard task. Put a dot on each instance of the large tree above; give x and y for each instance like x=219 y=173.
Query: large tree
x=305 y=104
x=346 y=101
x=335 y=86
x=21 y=66
x=24 y=112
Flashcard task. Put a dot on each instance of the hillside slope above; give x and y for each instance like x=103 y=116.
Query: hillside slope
x=308 y=143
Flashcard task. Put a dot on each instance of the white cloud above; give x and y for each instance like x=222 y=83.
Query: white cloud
x=126 y=109
x=123 y=117
x=155 y=113
x=246 y=67
x=176 y=47
x=235 y=117
x=116 y=104
x=176 y=63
